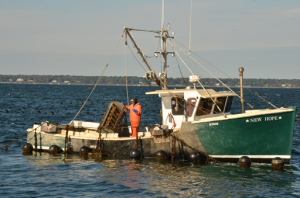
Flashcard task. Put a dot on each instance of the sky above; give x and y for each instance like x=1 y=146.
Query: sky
x=78 y=37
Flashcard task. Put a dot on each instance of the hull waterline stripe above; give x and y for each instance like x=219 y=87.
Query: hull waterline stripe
x=253 y=156
x=44 y=147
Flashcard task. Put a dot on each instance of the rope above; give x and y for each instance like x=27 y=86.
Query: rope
x=98 y=79
x=201 y=152
x=154 y=31
x=136 y=58
x=190 y=27
x=126 y=77
x=180 y=70
x=198 y=80
x=19 y=138
x=230 y=78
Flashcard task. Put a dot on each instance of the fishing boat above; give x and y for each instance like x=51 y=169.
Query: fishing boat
x=200 y=120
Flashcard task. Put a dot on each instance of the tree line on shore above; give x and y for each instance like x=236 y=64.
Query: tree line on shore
x=134 y=80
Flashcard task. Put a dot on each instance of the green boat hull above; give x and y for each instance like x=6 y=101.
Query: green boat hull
x=260 y=137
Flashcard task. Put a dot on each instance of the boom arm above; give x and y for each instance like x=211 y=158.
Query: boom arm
x=154 y=76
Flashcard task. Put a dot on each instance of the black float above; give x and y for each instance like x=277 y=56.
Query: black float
x=277 y=163
x=161 y=155
x=194 y=157
x=135 y=154
x=84 y=150
x=6 y=111
x=54 y=150
x=27 y=149
x=245 y=161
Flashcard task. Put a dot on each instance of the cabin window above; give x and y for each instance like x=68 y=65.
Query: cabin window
x=229 y=103
x=204 y=107
x=178 y=106
x=191 y=106
x=221 y=103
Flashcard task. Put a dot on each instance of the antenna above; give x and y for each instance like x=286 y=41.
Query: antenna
x=163 y=14
x=162 y=23
x=190 y=27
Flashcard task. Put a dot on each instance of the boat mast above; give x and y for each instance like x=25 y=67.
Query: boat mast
x=164 y=52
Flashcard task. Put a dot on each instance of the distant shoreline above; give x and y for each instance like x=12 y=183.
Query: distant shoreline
x=15 y=83
x=140 y=81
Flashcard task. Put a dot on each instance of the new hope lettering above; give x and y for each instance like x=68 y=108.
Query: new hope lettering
x=271 y=118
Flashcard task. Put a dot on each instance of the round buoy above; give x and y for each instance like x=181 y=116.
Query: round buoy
x=91 y=103
x=22 y=112
x=87 y=113
x=277 y=163
x=161 y=155
x=84 y=150
x=9 y=94
x=60 y=103
x=27 y=149
x=51 y=112
x=38 y=112
x=70 y=102
x=194 y=157
x=9 y=107
x=135 y=154
x=23 y=107
x=6 y=111
x=81 y=103
x=144 y=104
x=244 y=161
x=54 y=150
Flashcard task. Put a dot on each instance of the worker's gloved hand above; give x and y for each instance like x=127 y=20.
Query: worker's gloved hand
x=135 y=111
x=122 y=103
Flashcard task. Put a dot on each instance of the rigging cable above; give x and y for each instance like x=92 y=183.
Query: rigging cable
x=126 y=77
x=198 y=81
x=230 y=77
x=212 y=75
x=136 y=58
x=190 y=27
x=179 y=69
x=98 y=79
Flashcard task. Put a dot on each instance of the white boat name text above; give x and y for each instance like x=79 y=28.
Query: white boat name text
x=271 y=118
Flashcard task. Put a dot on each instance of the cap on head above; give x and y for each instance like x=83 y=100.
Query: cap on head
x=134 y=99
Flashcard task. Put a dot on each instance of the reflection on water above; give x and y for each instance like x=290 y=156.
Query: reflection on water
x=74 y=176
x=147 y=177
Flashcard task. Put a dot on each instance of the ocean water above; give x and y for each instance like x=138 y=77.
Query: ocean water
x=44 y=175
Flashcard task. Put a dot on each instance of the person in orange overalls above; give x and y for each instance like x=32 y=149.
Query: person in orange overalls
x=135 y=115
